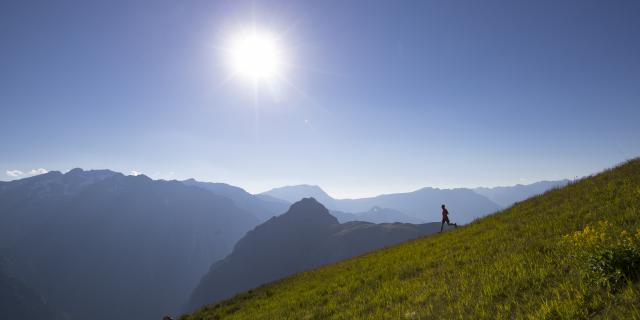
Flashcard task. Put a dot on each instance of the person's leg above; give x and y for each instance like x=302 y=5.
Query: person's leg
x=442 y=226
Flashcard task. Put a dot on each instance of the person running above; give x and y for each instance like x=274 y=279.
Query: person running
x=445 y=218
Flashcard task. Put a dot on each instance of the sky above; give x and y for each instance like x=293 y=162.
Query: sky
x=378 y=96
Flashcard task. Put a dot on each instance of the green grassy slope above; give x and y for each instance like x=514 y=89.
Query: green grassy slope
x=524 y=262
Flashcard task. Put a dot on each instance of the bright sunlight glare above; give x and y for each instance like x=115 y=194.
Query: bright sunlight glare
x=256 y=56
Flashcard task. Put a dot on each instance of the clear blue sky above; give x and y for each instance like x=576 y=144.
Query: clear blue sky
x=389 y=95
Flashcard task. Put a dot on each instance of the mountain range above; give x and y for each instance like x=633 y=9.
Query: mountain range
x=84 y=244
x=17 y=301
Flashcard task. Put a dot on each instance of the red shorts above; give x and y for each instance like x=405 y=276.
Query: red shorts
x=445 y=219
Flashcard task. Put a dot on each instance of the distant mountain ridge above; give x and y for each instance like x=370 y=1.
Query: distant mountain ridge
x=411 y=207
x=305 y=237
x=420 y=205
x=377 y=215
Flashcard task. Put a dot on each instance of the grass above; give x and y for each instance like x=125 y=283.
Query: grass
x=527 y=262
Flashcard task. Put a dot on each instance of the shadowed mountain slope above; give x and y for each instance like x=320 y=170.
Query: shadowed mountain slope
x=21 y=303
x=101 y=245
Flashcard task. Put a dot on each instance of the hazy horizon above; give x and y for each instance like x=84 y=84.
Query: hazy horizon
x=17 y=175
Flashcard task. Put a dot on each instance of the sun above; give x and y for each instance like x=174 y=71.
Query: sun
x=256 y=56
